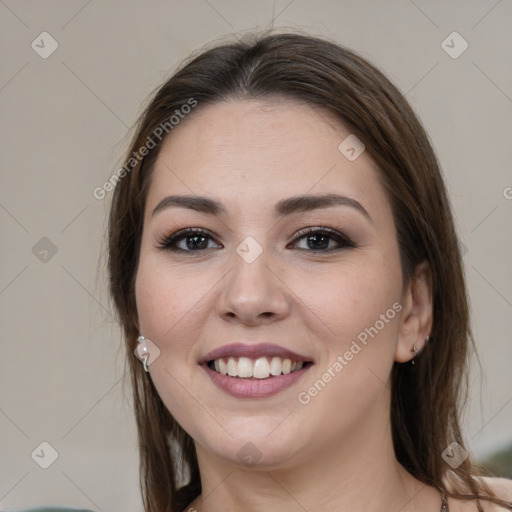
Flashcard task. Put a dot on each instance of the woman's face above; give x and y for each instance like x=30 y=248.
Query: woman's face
x=255 y=278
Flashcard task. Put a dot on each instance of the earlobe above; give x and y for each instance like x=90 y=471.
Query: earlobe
x=416 y=319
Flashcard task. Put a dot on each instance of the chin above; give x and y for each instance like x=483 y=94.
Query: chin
x=263 y=452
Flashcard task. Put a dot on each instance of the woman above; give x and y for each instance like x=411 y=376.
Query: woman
x=285 y=267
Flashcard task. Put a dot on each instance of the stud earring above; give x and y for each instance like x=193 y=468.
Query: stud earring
x=143 y=351
x=414 y=349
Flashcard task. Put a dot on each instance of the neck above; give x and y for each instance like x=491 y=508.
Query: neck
x=357 y=473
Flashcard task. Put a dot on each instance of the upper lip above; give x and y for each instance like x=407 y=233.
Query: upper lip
x=252 y=351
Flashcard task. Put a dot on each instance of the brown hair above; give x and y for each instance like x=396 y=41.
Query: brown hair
x=426 y=397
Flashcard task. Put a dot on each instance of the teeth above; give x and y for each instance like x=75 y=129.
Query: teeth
x=232 y=367
x=245 y=367
x=275 y=366
x=223 y=367
x=261 y=368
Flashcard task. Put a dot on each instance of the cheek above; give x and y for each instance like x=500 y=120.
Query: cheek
x=343 y=303
x=359 y=310
x=169 y=301
x=169 y=315
x=157 y=305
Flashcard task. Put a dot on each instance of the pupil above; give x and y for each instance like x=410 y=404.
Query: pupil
x=316 y=238
x=195 y=244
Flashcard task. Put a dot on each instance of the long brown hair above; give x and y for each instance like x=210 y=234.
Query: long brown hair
x=426 y=397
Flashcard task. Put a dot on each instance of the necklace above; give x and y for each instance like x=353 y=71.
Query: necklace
x=444 y=503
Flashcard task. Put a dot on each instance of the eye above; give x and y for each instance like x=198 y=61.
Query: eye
x=318 y=239
x=195 y=240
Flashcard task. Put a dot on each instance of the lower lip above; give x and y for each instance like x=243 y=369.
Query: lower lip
x=254 y=388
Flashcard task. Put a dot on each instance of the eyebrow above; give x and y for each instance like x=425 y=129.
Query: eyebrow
x=295 y=204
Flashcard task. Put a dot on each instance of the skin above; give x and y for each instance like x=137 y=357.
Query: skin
x=334 y=453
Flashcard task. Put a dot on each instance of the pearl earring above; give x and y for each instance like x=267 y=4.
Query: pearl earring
x=143 y=351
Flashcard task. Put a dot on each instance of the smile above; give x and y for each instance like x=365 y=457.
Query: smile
x=261 y=368
x=264 y=386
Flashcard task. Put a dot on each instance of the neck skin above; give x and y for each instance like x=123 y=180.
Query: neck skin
x=358 y=473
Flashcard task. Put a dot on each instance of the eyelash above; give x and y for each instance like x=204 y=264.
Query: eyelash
x=167 y=243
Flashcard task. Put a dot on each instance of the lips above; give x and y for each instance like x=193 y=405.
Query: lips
x=238 y=350
x=274 y=369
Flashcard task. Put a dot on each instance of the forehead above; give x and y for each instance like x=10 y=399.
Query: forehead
x=253 y=149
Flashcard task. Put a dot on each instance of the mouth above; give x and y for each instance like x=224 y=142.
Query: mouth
x=254 y=371
x=256 y=368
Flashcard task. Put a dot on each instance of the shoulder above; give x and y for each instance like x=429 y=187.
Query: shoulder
x=502 y=489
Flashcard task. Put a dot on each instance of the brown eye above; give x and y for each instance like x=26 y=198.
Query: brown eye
x=186 y=240
x=320 y=239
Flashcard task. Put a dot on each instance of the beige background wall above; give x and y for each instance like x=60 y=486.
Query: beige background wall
x=63 y=128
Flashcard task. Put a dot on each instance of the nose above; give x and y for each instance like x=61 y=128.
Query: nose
x=253 y=293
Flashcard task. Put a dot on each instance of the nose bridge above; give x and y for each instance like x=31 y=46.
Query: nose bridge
x=251 y=276
x=252 y=289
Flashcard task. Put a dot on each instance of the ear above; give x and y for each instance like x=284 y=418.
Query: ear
x=417 y=315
